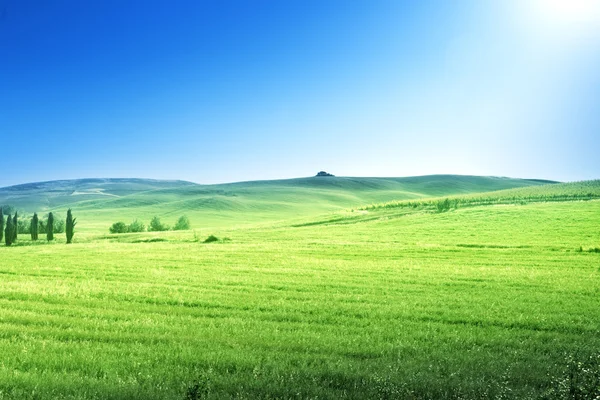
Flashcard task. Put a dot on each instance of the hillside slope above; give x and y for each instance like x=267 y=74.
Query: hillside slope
x=99 y=202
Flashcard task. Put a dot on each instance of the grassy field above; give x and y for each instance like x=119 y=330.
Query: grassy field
x=482 y=301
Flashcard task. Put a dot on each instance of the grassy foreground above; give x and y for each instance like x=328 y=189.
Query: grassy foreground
x=482 y=302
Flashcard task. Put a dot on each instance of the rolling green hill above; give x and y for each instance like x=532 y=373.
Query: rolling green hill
x=98 y=202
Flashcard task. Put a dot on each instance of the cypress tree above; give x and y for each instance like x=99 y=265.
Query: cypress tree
x=15 y=228
x=8 y=231
x=1 y=224
x=70 y=229
x=50 y=227
x=34 y=227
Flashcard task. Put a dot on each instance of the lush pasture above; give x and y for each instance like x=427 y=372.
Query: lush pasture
x=478 y=302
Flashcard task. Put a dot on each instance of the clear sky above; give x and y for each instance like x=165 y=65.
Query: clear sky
x=220 y=91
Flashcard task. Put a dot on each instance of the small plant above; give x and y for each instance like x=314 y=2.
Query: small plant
x=136 y=226
x=211 y=238
x=118 y=227
x=183 y=224
x=443 y=205
x=199 y=390
x=157 y=226
x=71 y=222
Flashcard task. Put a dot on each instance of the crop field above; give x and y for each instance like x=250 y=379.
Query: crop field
x=490 y=300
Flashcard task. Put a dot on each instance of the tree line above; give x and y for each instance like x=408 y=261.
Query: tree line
x=182 y=224
x=13 y=226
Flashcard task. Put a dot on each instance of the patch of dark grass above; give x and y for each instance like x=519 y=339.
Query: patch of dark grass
x=580 y=379
x=152 y=240
x=211 y=239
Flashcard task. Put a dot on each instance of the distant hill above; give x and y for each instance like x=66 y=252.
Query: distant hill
x=97 y=202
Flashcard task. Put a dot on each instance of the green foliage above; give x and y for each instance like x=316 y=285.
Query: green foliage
x=136 y=226
x=15 y=227
x=59 y=225
x=50 y=227
x=34 y=227
x=575 y=191
x=183 y=224
x=7 y=209
x=1 y=224
x=23 y=227
x=211 y=239
x=9 y=231
x=156 y=225
x=70 y=226
x=118 y=227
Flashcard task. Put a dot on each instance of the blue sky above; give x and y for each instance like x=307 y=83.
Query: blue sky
x=221 y=91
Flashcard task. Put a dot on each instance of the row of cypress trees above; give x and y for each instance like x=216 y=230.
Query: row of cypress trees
x=8 y=230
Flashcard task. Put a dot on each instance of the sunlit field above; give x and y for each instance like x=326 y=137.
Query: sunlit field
x=489 y=301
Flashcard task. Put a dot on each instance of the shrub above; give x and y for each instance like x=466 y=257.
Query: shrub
x=157 y=226
x=59 y=225
x=23 y=227
x=136 y=226
x=211 y=238
x=118 y=227
x=443 y=205
x=183 y=224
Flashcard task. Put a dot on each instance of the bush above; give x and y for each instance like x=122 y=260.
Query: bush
x=443 y=205
x=118 y=227
x=23 y=227
x=59 y=225
x=157 y=226
x=136 y=226
x=211 y=238
x=183 y=224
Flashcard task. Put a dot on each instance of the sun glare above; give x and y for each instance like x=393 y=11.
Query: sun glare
x=574 y=16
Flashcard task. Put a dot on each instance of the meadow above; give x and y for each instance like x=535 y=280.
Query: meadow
x=484 y=300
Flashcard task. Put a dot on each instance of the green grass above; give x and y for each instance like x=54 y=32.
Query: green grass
x=484 y=301
x=98 y=203
x=573 y=191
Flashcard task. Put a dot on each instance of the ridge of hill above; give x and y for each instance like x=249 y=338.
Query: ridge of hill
x=107 y=200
